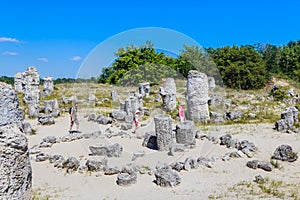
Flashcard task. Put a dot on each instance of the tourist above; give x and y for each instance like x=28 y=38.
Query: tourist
x=136 y=120
x=74 y=117
x=181 y=112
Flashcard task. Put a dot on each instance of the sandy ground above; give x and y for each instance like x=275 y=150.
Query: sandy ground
x=200 y=183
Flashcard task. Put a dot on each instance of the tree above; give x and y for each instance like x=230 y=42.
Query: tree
x=241 y=67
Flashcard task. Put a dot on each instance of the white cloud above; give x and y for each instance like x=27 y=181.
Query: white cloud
x=43 y=59
x=9 y=53
x=75 y=58
x=8 y=39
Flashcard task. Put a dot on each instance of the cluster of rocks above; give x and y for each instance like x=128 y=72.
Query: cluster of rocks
x=100 y=119
x=216 y=117
x=15 y=168
x=128 y=110
x=164 y=139
x=256 y=164
x=288 y=118
x=243 y=147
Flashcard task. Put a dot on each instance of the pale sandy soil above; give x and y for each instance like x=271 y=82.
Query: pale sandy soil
x=200 y=183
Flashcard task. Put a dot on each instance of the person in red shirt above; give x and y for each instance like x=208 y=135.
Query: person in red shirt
x=181 y=112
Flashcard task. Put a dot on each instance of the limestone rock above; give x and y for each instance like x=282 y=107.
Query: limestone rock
x=185 y=133
x=166 y=177
x=96 y=165
x=163 y=130
x=125 y=179
x=46 y=119
x=144 y=89
x=9 y=113
x=51 y=107
x=71 y=164
x=232 y=115
x=168 y=94
x=285 y=153
x=15 y=168
x=197 y=97
x=150 y=140
x=114 y=150
x=48 y=86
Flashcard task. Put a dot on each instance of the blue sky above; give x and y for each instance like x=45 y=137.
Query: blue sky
x=57 y=36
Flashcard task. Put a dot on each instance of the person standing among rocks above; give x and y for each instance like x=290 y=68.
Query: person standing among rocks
x=181 y=112
x=136 y=120
x=74 y=118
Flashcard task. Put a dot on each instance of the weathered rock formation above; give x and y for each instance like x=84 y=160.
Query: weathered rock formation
x=288 y=118
x=185 y=133
x=114 y=150
x=15 y=169
x=163 y=130
x=168 y=94
x=197 y=97
x=9 y=113
x=285 y=153
x=144 y=89
x=51 y=107
x=48 y=86
x=18 y=82
x=166 y=177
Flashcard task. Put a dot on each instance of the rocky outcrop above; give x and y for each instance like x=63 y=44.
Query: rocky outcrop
x=168 y=94
x=197 y=97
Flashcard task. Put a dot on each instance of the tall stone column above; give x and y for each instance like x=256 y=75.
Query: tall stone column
x=163 y=130
x=197 y=96
x=15 y=168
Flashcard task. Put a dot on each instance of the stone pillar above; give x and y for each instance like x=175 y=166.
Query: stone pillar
x=168 y=94
x=144 y=89
x=163 y=130
x=51 y=107
x=30 y=83
x=15 y=168
x=197 y=96
x=9 y=112
x=48 y=86
x=18 y=82
x=114 y=96
x=185 y=133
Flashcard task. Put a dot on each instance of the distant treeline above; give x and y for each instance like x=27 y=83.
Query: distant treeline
x=239 y=67
x=10 y=80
